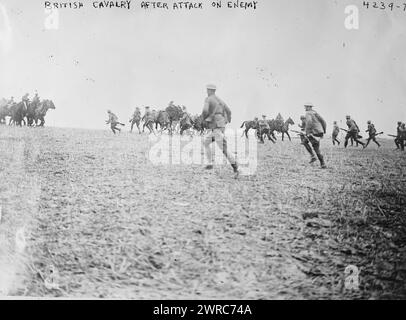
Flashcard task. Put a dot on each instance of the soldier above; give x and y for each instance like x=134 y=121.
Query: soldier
x=263 y=127
x=36 y=99
x=135 y=119
x=304 y=140
x=402 y=136
x=336 y=131
x=217 y=114
x=372 y=134
x=113 y=120
x=11 y=102
x=352 y=132
x=25 y=98
x=397 y=140
x=148 y=119
x=315 y=128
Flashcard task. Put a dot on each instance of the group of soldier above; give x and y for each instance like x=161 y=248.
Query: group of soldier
x=353 y=134
x=216 y=115
x=174 y=119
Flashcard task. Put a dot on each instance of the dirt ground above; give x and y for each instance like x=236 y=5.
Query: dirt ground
x=111 y=224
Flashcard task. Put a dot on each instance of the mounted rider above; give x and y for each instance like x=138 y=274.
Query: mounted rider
x=36 y=100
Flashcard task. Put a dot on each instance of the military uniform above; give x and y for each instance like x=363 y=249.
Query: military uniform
x=402 y=136
x=135 y=119
x=113 y=121
x=148 y=119
x=263 y=128
x=352 y=132
x=36 y=99
x=304 y=140
x=336 y=131
x=217 y=114
x=315 y=130
x=372 y=134
x=398 y=130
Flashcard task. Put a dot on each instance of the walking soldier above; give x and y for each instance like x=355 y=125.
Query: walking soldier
x=217 y=114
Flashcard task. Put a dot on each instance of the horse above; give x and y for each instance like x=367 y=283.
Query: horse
x=18 y=112
x=41 y=111
x=4 y=110
x=135 y=119
x=199 y=124
x=284 y=128
x=185 y=123
x=269 y=132
x=175 y=113
x=249 y=124
x=31 y=107
x=162 y=120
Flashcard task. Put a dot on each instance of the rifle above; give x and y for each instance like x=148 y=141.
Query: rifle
x=298 y=132
x=392 y=135
x=358 y=135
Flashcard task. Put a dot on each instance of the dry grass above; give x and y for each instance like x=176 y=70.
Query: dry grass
x=115 y=226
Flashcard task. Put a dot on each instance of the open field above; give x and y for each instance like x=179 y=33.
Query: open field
x=115 y=226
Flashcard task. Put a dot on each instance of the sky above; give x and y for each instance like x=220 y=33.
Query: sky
x=264 y=61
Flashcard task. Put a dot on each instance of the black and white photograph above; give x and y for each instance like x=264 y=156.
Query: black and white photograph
x=203 y=150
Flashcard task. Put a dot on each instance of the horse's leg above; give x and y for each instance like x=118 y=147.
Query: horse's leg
x=288 y=136
x=283 y=134
x=246 y=132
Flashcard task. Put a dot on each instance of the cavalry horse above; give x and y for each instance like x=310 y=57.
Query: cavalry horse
x=17 y=114
x=41 y=111
x=250 y=124
x=199 y=124
x=162 y=120
x=175 y=113
x=283 y=127
x=185 y=123
x=4 y=110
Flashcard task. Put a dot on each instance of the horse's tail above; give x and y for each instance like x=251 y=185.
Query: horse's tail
x=243 y=124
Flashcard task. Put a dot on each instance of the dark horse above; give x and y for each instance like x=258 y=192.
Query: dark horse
x=18 y=112
x=269 y=132
x=250 y=124
x=199 y=124
x=175 y=113
x=283 y=127
x=41 y=111
x=162 y=120
x=185 y=123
